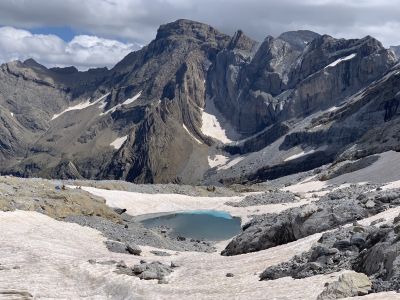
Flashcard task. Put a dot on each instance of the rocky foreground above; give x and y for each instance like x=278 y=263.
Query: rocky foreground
x=76 y=239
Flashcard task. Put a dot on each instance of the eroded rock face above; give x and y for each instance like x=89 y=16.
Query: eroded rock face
x=282 y=80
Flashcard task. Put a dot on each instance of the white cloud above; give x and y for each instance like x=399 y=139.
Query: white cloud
x=137 y=20
x=83 y=51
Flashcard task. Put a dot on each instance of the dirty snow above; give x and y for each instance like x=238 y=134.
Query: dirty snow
x=117 y=144
x=336 y=62
x=80 y=106
x=215 y=125
x=52 y=257
x=193 y=137
x=217 y=160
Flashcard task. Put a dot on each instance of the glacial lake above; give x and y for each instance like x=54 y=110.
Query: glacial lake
x=199 y=224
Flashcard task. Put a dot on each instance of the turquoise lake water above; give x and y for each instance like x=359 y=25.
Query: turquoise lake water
x=199 y=224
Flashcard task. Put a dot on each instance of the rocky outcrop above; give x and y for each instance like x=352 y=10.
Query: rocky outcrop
x=348 y=285
x=371 y=250
x=336 y=208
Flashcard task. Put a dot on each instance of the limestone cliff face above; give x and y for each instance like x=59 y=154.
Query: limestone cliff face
x=281 y=80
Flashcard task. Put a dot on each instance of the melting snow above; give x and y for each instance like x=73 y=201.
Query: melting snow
x=215 y=125
x=336 y=62
x=53 y=259
x=217 y=160
x=117 y=144
x=126 y=102
x=80 y=106
x=187 y=130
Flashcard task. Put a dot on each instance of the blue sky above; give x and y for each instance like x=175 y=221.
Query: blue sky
x=97 y=33
x=64 y=32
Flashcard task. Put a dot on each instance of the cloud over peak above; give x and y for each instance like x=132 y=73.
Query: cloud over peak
x=83 y=51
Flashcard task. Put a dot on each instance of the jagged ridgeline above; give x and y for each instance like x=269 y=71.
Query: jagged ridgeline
x=196 y=105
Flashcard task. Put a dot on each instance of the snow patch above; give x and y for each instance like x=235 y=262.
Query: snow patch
x=80 y=106
x=117 y=144
x=215 y=125
x=217 y=160
x=302 y=153
x=126 y=102
x=193 y=137
x=338 y=61
x=133 y=99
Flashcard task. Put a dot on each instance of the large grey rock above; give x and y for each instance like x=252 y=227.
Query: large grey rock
x=133 y=249
x=348 y=285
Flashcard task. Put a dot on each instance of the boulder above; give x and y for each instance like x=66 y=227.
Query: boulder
x=149 y=275
x=133 y=249
x=116 y=247
x=349 y=285
x=370 y=204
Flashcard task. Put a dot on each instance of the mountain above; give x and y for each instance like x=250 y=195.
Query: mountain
x=196 y=105
x=396 y=50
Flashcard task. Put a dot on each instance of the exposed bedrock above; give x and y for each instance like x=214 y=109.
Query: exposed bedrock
x=372 y=250
x=336 y=208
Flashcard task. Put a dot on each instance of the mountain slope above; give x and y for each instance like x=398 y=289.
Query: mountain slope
x=196 y=104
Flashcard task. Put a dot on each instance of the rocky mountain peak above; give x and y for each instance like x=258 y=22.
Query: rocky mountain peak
x=299 y=39
x=34 y=64
x=241 y=41
x=188 y=28
x=66 y=70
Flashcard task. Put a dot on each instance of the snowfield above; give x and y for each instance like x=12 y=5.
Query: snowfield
x=49 y=259
x=214 y=124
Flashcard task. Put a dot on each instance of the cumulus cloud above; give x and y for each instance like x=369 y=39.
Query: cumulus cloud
x=137 y=20
x=83 y=51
